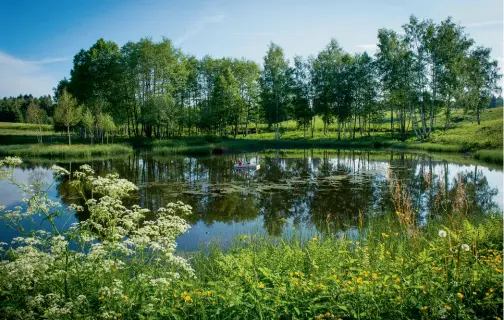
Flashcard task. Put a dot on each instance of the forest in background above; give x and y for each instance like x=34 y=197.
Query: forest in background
x=155 y=90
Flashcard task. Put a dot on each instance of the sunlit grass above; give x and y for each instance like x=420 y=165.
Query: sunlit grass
x=64 y=151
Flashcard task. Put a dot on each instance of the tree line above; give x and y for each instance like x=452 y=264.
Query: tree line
x=153 y=89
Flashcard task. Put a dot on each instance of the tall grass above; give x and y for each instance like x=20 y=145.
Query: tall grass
x=64 y=151
x=494 y=156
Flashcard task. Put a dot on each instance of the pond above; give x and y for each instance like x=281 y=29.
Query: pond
x=310 y=191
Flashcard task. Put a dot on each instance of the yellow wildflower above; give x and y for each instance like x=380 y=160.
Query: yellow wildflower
x=261 y=285
x=328 y=314
x=317 y=267
x=387 y=252
x=314 y=239
x=118 y=315
x=424 y=308
x=384 y=235
x=125 y=298
x=101 y=298
x=447 y=307
x=398 y=280
x=460 y=295
x=491 y=290
x=188 y=299
x=359 y=280
x=375 y=276
x=475 y=293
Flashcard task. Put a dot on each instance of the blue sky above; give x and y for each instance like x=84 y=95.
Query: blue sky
x=38 y=39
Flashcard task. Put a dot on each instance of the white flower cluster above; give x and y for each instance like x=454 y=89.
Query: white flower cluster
x=11 y=161
x=117 y=245
x=59 y=171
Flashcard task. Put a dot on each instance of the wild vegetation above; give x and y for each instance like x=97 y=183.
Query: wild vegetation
x=117 y=264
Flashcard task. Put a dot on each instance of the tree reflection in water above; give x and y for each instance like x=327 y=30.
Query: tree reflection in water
x=327 y=192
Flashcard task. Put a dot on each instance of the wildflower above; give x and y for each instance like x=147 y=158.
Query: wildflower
x=465 y=247
x=359 y=280
x=447 y=307
x=424 y=308
x=125 y=298
x=491 y=290
x=118 y=315
x=498 y=270
x=375 y=276
x=442 y=233
x=384 y=235
x=357 y=243
x=59 y=170
x=188 y=299
x=101 y=298
x=475 y=293
x=316 y=267
x=314 y=239
x=460 y=295
x=398 y=280
x=487 y=294
x=328 y=314
x=387 y=252
x=261 y=285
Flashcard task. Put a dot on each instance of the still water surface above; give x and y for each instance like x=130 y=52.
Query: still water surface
x=312 y=192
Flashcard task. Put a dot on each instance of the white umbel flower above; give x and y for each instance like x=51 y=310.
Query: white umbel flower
x=465 y=247
x=442 y=233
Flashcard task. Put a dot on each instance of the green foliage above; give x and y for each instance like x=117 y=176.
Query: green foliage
x=494 y=156
x=64 y=151
x=67 y=112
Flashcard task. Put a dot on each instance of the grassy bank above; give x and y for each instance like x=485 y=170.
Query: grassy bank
x=64 y=151
x=203 y=147
x=392 y=272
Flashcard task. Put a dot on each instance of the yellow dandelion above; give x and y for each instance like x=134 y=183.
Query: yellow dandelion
x=475 y=293
x=398 y=280
x=387 y=252
x=359 y=280
x=424 y=308
x=125 y=298
x=460 y=295
x=101 y=298
x=491 y=290
x=118 y=315
x=261 y=285
x=384 y=235
x=487 y=294
x=188 y=299
x=375 y=276
x=328 y=314
x=314 y=239
x=357 y=243
x=447 y=307
x=316 y=267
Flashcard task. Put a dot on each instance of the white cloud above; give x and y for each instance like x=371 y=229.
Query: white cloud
x=198 y=26
x=24 y=77
x=483 y=24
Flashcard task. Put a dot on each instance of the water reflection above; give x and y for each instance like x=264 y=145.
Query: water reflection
x=323 y=192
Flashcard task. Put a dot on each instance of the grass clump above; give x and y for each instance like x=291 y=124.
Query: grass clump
x=493 y=156
x=64 y=151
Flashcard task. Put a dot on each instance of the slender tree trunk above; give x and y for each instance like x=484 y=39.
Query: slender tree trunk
x=68 y=132
x=478 y=111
